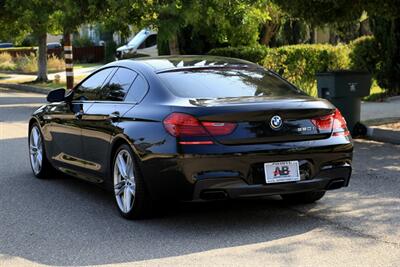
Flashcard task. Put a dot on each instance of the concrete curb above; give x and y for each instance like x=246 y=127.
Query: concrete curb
x=25 y=88
x=383 y=135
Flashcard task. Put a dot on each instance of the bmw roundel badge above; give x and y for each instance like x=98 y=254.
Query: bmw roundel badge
x=276 y=122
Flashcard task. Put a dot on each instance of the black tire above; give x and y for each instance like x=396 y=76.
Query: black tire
x=46 y=170
x=142 y=206
x=303 y=198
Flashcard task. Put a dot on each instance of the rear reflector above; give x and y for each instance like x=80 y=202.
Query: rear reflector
x=185 y=125
x=196 y=142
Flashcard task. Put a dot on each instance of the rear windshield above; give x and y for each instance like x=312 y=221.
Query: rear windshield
x=223 y=82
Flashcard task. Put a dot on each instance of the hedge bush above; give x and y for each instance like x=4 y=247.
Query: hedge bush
x=297 y=63
x=300 y=63
x=364 y=54
x=253 y=54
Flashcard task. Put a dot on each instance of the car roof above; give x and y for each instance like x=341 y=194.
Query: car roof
x=174 y=63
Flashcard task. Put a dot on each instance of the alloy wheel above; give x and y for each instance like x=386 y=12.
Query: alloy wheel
x=124 y=181
x=36 y=150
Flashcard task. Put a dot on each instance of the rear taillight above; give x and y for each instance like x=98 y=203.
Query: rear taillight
x=219 y=128
x=181 y=125
x=185 y=125
x=334 y=122
x=323 y=123
x=339 y=124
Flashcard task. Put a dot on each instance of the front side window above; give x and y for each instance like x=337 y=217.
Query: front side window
x=90 y=89
x=119 y=85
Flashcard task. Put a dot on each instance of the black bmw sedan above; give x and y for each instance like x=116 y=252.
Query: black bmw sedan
x=191 y=128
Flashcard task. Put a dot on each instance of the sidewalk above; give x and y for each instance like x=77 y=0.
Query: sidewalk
x=31 y=77
x=376 y=114
x=380 y=110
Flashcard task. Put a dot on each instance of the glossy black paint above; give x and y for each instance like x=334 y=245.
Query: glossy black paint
x=82 y=134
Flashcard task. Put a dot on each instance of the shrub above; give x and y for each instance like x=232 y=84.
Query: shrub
x=364 y=54
x=82 y=41
x=5 y=57
x=253 y=53
x=300 y=63
x=55 y=63
x=26 y=64
x=6 y=62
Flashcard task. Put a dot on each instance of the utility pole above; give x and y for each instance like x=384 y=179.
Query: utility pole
x=69 y=67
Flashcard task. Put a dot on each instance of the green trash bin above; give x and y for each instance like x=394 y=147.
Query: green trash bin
x=345 y=89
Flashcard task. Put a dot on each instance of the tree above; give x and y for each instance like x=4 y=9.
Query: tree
x=272 y=25
x=385 y=22
x=29 y=16
x=200 y=23
x=68 y=16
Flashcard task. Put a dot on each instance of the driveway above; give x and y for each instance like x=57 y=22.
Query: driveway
x=64 y=221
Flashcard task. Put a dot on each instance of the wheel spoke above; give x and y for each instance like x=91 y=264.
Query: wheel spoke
x=39 y=143
x=39 y=158
x=121 y=165
x=129 y=168
x=132 y=189
x=120 y=190
x=127 y=198
x=35 y=136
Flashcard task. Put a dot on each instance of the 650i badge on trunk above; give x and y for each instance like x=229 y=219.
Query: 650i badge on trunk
x=276 y=122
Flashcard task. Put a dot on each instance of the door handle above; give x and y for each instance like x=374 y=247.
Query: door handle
x=114 y=115
x=78 y=115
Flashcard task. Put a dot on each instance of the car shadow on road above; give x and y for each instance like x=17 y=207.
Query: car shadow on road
x=65 y=221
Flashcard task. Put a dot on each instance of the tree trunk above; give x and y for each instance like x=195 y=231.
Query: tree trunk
x=174 y=45
x=269 y=30
x=42 y=58
x=69 y=67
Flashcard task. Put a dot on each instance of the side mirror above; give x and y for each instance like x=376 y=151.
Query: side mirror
x=57 y=95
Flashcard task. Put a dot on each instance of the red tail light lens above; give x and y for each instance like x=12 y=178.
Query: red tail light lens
x=180 y=125
x=323 y=123
x=339 y=124
x=219 y=128
x=185 y=125
x=334 y=121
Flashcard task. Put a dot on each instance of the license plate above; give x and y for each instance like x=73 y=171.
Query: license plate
x=279 y=172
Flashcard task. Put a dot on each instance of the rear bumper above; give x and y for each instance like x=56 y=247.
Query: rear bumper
x=235 y=187
x=240 y=174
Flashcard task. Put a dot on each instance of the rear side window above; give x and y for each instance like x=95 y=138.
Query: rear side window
x=90 y=89
x=119 y=85
x=138 y=90
x=223 y=82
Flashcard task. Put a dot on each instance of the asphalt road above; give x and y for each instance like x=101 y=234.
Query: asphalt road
x=64 y=221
